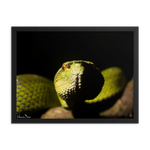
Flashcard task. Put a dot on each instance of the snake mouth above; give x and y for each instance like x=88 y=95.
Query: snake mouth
x=81 y=81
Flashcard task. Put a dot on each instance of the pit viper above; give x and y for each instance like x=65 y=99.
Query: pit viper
x=75 y=83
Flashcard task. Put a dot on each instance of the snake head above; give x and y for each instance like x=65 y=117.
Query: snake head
x=77 y=81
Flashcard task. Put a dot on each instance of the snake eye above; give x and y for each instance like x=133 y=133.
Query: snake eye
x=63 y=67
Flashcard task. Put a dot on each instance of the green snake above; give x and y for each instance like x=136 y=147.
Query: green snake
x=75 y=83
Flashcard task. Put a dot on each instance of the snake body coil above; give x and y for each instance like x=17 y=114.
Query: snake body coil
x=76 y=82
x=34 y=93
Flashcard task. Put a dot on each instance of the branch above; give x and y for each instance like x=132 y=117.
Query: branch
x=124 y=106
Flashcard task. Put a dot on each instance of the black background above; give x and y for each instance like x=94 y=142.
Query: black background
x=43 y=53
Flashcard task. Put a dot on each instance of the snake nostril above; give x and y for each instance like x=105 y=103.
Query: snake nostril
x=68 y=66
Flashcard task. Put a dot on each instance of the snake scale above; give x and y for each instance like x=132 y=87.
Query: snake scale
x=75 y=83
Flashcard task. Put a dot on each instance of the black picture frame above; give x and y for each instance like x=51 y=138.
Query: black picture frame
x=135 y=28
